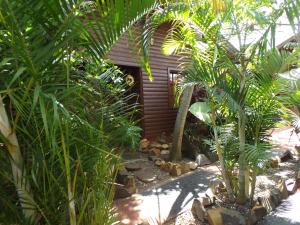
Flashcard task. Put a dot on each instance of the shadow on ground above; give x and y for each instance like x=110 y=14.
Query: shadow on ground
x=166 y=201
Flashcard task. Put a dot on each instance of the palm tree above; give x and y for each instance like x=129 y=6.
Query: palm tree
x=200 y=32
x=59 y=157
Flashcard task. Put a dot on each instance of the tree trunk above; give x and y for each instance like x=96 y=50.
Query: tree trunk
x=242 y=139
x=253 y=186
x=17 y=166
x=180 y=122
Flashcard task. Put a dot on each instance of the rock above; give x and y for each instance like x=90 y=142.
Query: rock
x=185 y=168
x=217 y=186
x=283 y=189
x=198 y=210
x=164 y=146
x=133 y=166
x=155 y=151
x=127 y=189
x=296 y=186
x=273 y=163
x=256 y=214
x=145 y=176
x=163 y=138
x=165 y=154
x=202 y=160
x=205 y=200
x=287 y=155
x=152 y=158
x=155 y=145
x=143 y=150
x=276 y=197
x=298 y=174
x=193 y=165
x=130 y=184
x=144 y=143
x=166 y=166
x=223 y=216
x=121 y=192
x=290 y=185
x=296 y=151
x=210 y=194
x=122 y=176
x=175 y=170
x=159 y=162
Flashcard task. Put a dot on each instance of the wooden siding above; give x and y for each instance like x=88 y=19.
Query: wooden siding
x=158 y=117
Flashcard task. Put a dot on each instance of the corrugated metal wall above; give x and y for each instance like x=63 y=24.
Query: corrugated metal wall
x=158 y=115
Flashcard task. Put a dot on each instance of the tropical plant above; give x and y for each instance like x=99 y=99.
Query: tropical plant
x=201 y=32
x=56 y=124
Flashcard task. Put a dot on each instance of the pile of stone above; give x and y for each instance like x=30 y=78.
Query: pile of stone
x=159 y=153
x=205 y=209
x=155 y=148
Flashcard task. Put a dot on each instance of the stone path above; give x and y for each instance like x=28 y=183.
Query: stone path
x=167 y=200
x=287 y=213
x=170 y=199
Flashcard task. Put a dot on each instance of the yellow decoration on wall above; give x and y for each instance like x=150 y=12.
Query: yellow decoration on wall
x=129 y=80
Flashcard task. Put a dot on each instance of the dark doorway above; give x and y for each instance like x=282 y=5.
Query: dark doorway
x=133 y=80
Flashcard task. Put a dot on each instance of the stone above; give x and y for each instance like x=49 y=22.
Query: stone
x=121 y=192
x=155 y=145
x=296 y=151
x=205 y=200
x=283 y=189
x=276 y=197
x=159 y=162
x=296 y=186
x=223 y=216
x=287 y=155
x=202 y=160
x=133 y=166
x=217 y=186
x=175 y=170
x=163 y=138
x=290 y=185
x=298 y=174
x=256 y=214
x=144 y=143
x=122 y=176
x=164 y=146
x=166 y=166
x=198 y=210
x=127 y=189
x=143 y=150
x=145 y=176
x=152 y=158
x=273 y=163
x=155 y=151
x=130 y=184
x=165 y=154
x=210 y=194
x=185 y=168
x=193 y=165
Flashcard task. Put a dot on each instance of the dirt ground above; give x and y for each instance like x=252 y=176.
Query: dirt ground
x=283 y=139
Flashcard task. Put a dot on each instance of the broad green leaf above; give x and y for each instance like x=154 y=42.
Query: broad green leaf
x=201 y=111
